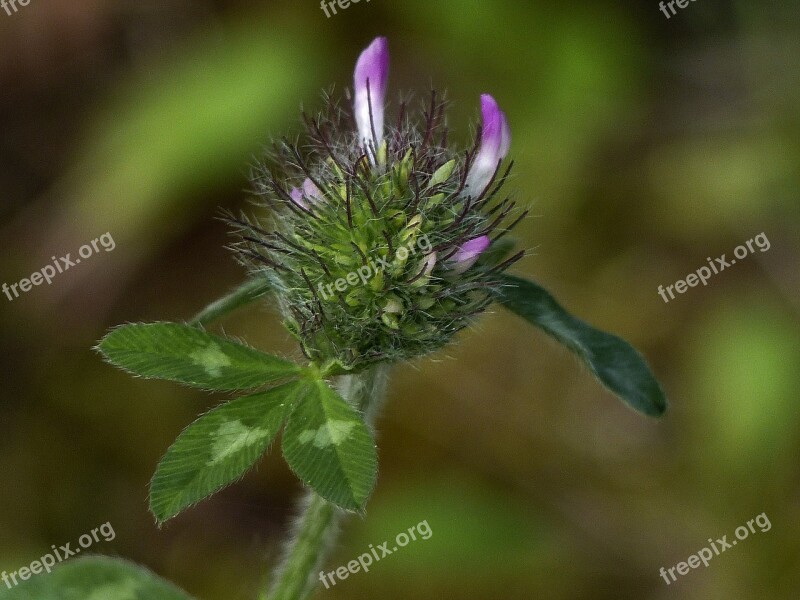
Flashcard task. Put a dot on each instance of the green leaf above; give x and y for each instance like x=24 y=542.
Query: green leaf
x=613 y=361
x=95 y=578
x=190 y=355
x=329 y=447
x=218 y=449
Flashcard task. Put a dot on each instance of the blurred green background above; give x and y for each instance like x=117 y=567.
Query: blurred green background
x=643 y=146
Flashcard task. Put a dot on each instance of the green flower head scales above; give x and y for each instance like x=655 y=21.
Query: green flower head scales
x=377 y=231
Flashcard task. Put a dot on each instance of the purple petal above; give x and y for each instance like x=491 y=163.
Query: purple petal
x=495 y=142
x=467 y=254
x=296 y=195
x=310 y=190
x=372 y=66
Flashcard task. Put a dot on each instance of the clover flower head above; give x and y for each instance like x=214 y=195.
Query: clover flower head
x=377 y=232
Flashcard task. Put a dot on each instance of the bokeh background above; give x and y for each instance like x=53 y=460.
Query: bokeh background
x=643 y=146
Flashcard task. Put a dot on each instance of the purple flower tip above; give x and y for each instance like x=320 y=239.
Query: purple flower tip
x=372 y=67
x=468 y=254
x=494 y=146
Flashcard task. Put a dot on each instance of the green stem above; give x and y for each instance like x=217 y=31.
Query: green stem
x=315 y=532
x=248 y=292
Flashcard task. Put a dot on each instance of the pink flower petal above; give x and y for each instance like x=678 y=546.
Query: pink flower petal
x=468 y=254
x=494 y=146
x=372 y=66
x=296 y=195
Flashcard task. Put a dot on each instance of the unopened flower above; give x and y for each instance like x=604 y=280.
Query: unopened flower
x=495 y=143
x=376 y=236
x=468 y=254
x=371 y=80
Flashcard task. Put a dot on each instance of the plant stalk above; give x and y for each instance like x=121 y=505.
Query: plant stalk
x=248 y=292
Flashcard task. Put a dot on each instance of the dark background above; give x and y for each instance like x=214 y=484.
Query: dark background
x=643 y=146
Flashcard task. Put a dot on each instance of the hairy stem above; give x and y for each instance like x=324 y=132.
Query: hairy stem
x=315 y=531
x=248 y=292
